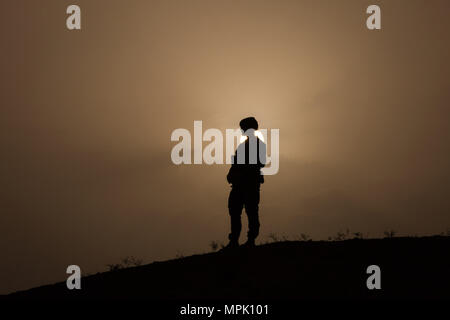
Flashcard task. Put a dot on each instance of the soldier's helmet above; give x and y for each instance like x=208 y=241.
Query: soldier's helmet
x=248 y=123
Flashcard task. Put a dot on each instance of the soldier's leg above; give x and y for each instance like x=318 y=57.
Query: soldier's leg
x=235 y=206
x=252 y=208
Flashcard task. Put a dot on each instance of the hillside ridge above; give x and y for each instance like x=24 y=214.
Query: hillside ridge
x=411 y=267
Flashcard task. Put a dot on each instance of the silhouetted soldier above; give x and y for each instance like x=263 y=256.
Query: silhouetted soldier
x=245 y=177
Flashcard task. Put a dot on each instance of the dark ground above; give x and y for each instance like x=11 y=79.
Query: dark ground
x=410 y=268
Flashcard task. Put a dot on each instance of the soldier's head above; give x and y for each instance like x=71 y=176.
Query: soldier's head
x=248 y=123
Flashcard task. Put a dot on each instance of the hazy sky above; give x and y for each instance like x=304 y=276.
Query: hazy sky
x=86 y=118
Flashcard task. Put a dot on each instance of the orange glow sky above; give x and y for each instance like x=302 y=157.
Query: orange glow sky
x=86 y=118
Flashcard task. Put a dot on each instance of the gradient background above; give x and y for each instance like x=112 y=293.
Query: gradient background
x=86 y=118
